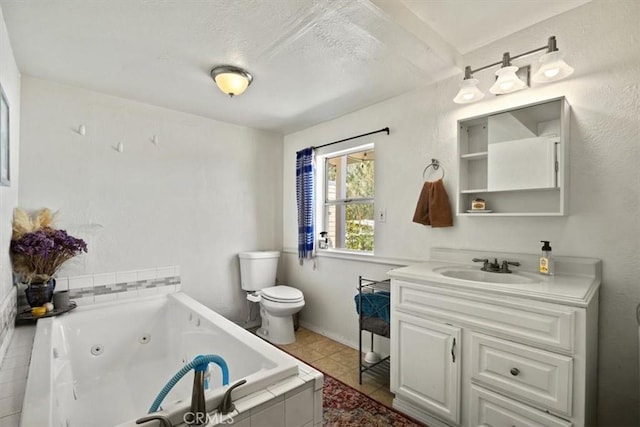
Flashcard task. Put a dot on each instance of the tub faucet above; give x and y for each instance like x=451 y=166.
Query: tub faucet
x=164 y=421
x=198 y=415
x=226 y=405
x=198 y=405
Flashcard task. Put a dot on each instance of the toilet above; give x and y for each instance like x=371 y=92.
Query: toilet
x=277 y=303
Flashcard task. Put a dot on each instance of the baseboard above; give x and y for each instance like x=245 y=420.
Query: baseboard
x=337 y=338
x=249 y=324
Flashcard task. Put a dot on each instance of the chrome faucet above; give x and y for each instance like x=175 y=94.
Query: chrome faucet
x=495 y=266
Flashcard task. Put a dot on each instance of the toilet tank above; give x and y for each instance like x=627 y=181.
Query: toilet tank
x=258 y=269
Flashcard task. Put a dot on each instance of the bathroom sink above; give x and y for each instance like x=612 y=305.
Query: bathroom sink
x=484 y=276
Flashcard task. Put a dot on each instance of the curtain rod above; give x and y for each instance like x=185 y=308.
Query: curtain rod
x=354 y=137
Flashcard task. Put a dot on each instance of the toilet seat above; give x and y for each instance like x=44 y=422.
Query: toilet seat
x=282 y=294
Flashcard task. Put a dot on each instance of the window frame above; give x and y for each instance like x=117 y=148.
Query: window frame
x=322 y=192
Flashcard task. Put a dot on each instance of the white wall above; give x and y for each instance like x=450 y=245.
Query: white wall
x=10 y=81
x=207 y=190
x=602 y=42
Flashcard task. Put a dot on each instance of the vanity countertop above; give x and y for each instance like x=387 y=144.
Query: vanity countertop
x=575 y=282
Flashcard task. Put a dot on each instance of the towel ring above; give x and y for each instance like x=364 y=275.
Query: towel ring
x=435 y=164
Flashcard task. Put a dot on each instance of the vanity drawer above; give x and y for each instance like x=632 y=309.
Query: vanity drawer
x=489 y=409
x=527 y=373
x=536 y=323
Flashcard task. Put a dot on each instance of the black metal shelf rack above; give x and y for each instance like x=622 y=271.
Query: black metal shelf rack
x=375 y=326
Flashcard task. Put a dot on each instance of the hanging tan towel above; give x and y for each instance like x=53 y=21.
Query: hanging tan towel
x=439 y=207
x=421 y=215
x=433 y=207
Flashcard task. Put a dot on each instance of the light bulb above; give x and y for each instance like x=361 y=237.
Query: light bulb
x=507 y=81
x=469 y=92
x=552 y=68
x=232 y=84
x=552 y=72
x=506 y=86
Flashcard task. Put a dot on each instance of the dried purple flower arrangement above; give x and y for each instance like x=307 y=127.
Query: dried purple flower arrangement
x=38 y=250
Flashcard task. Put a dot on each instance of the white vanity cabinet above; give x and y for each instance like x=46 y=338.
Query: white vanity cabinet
x=477 y=354
x=436 y=385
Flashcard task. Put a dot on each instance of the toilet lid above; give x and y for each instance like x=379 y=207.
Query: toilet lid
x=282 y=294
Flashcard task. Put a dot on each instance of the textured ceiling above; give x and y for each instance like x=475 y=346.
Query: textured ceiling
x=470 y=24
x=312 y=60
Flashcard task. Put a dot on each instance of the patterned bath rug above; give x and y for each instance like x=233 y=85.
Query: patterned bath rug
x=345 y=406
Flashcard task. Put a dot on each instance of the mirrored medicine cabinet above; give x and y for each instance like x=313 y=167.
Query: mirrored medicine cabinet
x=515 y=160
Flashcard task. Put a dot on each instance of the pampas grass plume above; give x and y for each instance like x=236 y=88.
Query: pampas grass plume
x=21 y=223
x=43 y=219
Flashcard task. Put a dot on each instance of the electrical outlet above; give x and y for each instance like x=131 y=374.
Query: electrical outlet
x=382 y=215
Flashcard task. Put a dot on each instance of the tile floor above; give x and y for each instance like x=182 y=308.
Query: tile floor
x=339 y=361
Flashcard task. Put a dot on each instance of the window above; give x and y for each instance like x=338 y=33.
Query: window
x=349 y=190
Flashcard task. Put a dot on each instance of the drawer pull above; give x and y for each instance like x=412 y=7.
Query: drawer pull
x=453 y=349
x=515 y=371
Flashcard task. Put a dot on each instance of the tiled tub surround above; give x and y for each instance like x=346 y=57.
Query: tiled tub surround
x=13 y=375
x=8 y=310
x=140 y=344
x=104 y=287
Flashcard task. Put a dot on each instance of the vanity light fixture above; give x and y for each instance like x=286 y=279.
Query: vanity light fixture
x=231 y=80
x=469 y=91
x=507 y=81
x=552 y=65
x=552 y=68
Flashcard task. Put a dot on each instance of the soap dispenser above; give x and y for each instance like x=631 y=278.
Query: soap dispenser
x=323 y=242
x=546 y=259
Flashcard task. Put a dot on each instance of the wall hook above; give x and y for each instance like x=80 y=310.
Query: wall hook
x=82 y=130
x=154 y=139
x=120 y=147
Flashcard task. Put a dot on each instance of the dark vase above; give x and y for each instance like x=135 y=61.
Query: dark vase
x=40 y=293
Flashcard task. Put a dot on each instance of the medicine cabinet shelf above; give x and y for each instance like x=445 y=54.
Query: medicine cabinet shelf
x=484 y=190
x=517 y=160
x=479 y=190
x=474 y=156
x=511 y=214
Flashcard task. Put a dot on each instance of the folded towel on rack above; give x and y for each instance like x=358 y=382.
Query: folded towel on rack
x=375 y=304
x=433 y=207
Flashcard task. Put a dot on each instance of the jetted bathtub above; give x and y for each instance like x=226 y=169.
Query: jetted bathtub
x=104 y=365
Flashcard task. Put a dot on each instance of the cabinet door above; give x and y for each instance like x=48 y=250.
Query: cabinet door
x=425 y=367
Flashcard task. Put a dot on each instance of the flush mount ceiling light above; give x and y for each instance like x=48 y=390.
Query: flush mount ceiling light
x=231 y=80
x=552 y=68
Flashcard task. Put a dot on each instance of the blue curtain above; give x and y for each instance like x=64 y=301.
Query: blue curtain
x=305 y=196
